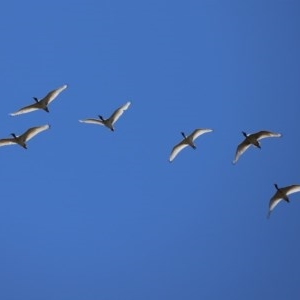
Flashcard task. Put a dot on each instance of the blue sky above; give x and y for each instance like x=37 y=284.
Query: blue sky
x=87 y=213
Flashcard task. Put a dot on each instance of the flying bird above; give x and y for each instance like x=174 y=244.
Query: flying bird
x=252 y=139
x=187 y=141
x=42 y=103
x=23 y=138
x=282 y=194
x=111 y=120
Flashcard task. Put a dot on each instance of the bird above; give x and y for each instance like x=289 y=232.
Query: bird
x=40 y=104
x=187 y=141
x=111 y=120
x=25 y=137
x=252 y=139
x=282 y=194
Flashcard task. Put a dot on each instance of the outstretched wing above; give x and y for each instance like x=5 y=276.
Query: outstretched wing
x=31 y=132
x=177 y=148
x=53 y=94
x=26 y=109
x=265 y=134
x=197 y=132
x=5 y=142
x=291 y=189
x=92 y=121
x=242 y=147
x=118 y=112
x=273 y=202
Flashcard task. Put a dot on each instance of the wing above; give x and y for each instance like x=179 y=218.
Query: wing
x=198 y=132
x=264 y=134
x=273 y=202
x=177 y=149
x=31 y=132
x=5 y=142
x=92 y=121
x=53 y=94
x=291 y=189
x=242 y=147
x=118 y=113
x=26 y=109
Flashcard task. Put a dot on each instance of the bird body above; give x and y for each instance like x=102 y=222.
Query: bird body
x=282 y=194
x=111 y=120
x=187 y=141
x=42 y=103
x=23 y=138
x=252 y=139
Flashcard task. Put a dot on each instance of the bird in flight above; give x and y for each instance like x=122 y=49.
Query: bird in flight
x=111 y=120
x=23 y=138
x=252 y=139
x=40 y=104
x=187 y=141
x=282 y=194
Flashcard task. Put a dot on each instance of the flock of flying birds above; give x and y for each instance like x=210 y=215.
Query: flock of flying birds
x=250 y=139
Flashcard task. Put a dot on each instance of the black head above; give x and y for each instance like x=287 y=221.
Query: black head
x=101 y=118
x=276 y=186
x=46 y=109
x=183 y=134
x=13 y=135
x=36 y=99
x=244 y=133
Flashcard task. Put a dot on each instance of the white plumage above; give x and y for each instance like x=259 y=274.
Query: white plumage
x=25 y=137
x=42 y=103
x=111 y=120
x=282 y=194
x=187 y=141
x=252 y=139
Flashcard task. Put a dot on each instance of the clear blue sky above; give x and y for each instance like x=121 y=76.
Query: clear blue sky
x=87 y=213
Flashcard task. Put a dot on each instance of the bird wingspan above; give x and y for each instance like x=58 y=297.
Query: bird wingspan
x=31 y=132
x=26 y=109
x=118 y=112
x=280 y=194
x=92 y=121
x=53 y=94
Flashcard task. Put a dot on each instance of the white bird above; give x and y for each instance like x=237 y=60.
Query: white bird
x=187 y=141
x=252 y=139
x=23 y=138
x=42 y=103
x=282 y=194
x=111 y=120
